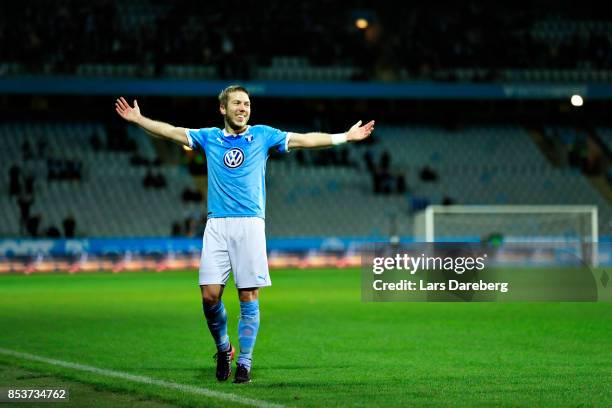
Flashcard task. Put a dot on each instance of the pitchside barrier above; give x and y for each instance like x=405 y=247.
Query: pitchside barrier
x=122 y=254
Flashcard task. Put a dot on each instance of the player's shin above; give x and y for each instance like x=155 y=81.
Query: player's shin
x=216 y=317
x=247 y=331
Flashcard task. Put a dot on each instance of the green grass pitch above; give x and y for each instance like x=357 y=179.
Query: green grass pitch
x=319 y=345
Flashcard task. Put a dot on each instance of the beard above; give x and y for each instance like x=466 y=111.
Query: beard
x=235 y=125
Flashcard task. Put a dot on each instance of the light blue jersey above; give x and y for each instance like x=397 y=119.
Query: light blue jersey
x=237 y=168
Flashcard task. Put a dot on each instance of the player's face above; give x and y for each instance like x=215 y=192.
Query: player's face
x=237 y=111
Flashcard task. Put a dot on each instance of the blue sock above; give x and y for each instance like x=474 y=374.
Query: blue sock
x=216 y=317
x=247 y=331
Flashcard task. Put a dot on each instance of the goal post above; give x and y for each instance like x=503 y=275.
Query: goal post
x=515 y=223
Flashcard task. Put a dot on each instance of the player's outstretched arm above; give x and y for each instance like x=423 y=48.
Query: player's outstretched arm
x=317 y=140
x=153 y=127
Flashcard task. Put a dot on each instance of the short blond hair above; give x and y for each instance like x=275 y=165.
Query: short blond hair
x=224 y=94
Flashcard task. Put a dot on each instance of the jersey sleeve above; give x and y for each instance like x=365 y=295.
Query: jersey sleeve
x=197 y=138
x=277 y=139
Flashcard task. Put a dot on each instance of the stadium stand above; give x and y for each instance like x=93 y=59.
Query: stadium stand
x=154 y=38
x=492 y=165
x=404 y=171
x=108 y=199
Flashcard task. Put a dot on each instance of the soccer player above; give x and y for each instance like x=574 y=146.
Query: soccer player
x=234 y=238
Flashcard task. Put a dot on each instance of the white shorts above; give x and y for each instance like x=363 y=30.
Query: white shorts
x=237 y=244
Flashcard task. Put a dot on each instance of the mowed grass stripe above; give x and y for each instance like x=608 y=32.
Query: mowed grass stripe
x=143 y=379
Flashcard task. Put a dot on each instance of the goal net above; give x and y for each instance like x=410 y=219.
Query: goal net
x=510 y=223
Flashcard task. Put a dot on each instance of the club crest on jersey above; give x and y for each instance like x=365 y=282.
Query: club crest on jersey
x=233 y=158
x=249 y=138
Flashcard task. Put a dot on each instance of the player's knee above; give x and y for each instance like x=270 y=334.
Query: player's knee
x=210 y=298
x=248 y=295
x=211 y=294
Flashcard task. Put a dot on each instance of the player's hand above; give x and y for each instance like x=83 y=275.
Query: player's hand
x=131 y=114
x=358 y=132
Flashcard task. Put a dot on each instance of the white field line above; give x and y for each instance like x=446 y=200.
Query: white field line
x=189 y=389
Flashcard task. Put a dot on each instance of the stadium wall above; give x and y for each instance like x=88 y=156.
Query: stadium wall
x=305 y=89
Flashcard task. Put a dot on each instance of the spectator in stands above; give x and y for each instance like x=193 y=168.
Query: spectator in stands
x=176 y=229
x=53 y=232
x=24 y=202
x=190 y=226
x=73 y=170
x=385 y=161
x=152 y=180
x=69 y=225
x=29 y=184
x=400 y=184
x=159 y=181
x=447 y=201
x=418 y=203
x=118 y=139
x=32 y=225
x=149 y=179
x=14 y=180
x=191 y=195
x=593 y=162
x=382 y=179
x=368 y=158
x=428 y=174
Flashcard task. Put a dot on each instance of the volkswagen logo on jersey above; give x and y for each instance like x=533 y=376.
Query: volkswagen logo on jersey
x=233 y=158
